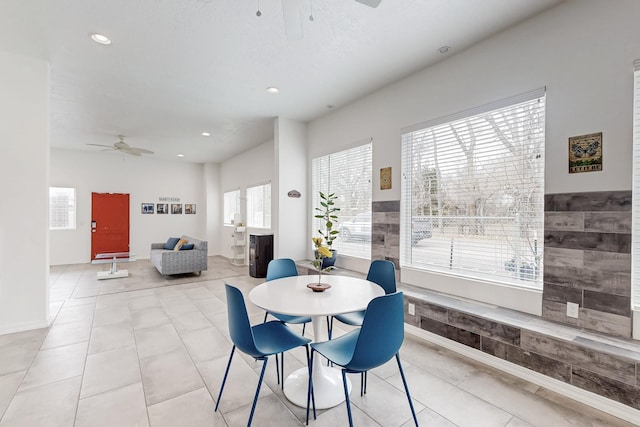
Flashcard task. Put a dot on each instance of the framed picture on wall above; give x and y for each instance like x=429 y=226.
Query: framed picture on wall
x=147 y=208
x=585 y=153
x=189 y=209
x=176 y=208
x=162 y=208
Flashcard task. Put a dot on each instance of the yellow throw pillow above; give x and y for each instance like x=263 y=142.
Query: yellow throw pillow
x=179 y=244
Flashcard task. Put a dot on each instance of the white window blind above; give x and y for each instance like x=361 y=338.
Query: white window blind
x=473 y=192
x=259 y=206
x=231 y=206
x=62 y=208
x=635 y=250
x=346 y=173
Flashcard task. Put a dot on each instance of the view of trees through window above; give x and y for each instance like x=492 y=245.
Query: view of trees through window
x=347 y=174
x=477 y=184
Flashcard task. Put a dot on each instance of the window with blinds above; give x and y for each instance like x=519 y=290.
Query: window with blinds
x=635 y=249
x=473 y=192
x=231 y=206
x=347 y=174
x=259 y=206
x=62 y=208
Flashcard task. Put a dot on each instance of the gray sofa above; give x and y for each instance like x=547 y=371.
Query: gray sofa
x=183 y=261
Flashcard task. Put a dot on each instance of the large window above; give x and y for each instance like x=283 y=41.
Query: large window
x=62 y=208
x=259 y=206
x=635 y=203
x=347 y=174
x=231 y=206
x=473 y=193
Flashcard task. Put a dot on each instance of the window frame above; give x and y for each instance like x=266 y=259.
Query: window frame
x=266 y=208
x=229 y=221
x=71 y=209
x=477 y=287
x=342 y=157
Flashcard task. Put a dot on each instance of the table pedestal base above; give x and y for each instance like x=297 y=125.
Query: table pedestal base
x=112 y=274
x=327 y=386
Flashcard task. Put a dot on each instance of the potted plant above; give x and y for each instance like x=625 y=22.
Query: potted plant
x=328 y=215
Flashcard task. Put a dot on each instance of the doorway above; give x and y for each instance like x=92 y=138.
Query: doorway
x=109 y=223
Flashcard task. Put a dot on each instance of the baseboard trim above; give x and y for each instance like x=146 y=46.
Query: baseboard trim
x=596 y=401
x=23 y=327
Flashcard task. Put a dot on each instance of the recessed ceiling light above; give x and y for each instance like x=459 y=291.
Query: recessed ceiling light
x=206 y=134
x=99 y=38
x=444 y=49
x=180 y=155
x=273 y=89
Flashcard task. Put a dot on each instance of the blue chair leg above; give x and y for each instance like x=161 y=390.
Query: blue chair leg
x=346 y=396
x=365 y=382
x=224 y=380
x=255 y=399
x=406 y=389
x=310 y=395
x=282 y=370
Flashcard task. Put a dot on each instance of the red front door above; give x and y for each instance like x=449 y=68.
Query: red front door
x=110 y=223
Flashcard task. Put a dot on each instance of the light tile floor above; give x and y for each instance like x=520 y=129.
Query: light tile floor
x=151 y=351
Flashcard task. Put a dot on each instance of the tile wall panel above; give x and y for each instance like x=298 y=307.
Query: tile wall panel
x=587 y=260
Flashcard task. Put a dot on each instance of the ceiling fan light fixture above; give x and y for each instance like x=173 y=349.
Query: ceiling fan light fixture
x=100 y=38
x=273 y=90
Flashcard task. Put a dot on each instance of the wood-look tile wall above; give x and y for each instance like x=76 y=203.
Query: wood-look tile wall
x=587 y=260
x=611 y=373
x=385 y=231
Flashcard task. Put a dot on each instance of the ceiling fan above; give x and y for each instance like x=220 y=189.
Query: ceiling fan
x=292 y=12
x=124 y=147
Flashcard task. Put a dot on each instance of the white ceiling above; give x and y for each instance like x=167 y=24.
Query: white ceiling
x=177 y=68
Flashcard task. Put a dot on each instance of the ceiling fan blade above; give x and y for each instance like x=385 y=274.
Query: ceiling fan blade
x=131 y=151
x=292 y=19
x=100 y=145
x=139 y=150
x=370 y=3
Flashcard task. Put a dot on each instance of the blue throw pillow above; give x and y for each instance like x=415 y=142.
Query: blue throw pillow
x=171 y=243
x=187 y=247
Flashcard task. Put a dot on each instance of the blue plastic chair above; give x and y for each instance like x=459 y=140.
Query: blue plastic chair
x=259 y=342
x=277 y=269
x=372 y=345
x=381 y=272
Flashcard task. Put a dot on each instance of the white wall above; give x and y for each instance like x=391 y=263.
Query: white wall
x=145 y=180
x=24 y=136
x=291 y=217
x=582 y=51
x=214 y=207
x=250 y=168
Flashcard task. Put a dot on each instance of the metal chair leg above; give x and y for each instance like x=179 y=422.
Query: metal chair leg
x=310 y=395
x=266 y=313
x=304 y=326
x=226 y=373
x=278 y=368
x=406 y=389
x=346 y=396
x=255 y=399
x=282 y=371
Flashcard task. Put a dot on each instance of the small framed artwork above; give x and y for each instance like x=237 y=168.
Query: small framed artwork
x=147 y=208
x=585 y=153
x=189 y=209
x=176 y=208
x=385 y=178
x=162 y=208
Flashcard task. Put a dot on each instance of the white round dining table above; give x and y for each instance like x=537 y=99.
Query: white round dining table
x=290 y=295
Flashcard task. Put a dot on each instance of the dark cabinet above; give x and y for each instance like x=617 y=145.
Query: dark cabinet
x=260 y=253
